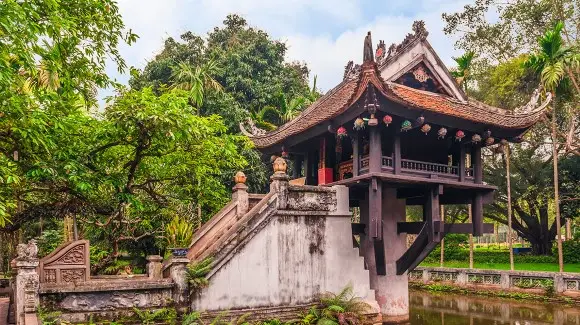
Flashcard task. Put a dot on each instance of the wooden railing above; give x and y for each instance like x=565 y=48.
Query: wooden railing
x=408 y=166
x=422 y=166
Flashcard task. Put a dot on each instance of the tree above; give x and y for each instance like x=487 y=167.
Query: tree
x=463 y=71
x=52 y=60
x=196 y=80
x=551 y=63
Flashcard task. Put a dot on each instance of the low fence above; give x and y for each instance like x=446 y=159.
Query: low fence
x=540 y=282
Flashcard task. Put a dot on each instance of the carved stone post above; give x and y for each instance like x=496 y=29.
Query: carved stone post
x=280 y=182
x=154 y=267
x=27 y=284
x=178 y=272
x=240 y=195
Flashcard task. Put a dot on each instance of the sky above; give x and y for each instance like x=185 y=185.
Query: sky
x=325 y=34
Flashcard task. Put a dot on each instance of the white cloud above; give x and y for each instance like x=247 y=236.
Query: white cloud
x=323 y=33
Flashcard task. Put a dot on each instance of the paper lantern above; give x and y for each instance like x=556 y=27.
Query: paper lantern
x=426 y=128
x=420 y=120
x=341 y=133
x=442 y=133
x=359 y=124
x=387 y=119
x=459 y=135
x=476 y=138
x=406 y=125
x=489 y=141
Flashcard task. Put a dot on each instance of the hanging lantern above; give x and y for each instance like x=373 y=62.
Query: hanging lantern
x=359 y=124
x=503 y=142
x=373 y=120
x=476 y=138
x=442 y=133
x=284 y=154
x=387 y=119
x=489 y=141
x=426 y=128
x=420 y=120
x=459 y=135
x=341 y=133
x=487 y=134
x=406 y=125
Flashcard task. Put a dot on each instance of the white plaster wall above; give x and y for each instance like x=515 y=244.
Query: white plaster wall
x=289 y=262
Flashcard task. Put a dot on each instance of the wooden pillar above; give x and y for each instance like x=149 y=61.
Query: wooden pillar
x=397 y=152
x=375 y=150
x=310 y=167
x=477 y=165
x=431 y=214
x=355 y=155
x=477 y=214
x=461 y=163
x=375 y=208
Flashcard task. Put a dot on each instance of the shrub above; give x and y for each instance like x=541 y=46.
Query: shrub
x=196 y=273
x=571 y=251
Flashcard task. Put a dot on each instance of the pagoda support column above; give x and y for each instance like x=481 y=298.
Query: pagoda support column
x=355 y=154
x=477 y=165
x=297 y=167
x=391 y=290
x=461 y=170
x=375 y=150
x=397 y=153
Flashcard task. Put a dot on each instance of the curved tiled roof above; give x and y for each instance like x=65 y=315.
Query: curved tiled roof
x=339 y=99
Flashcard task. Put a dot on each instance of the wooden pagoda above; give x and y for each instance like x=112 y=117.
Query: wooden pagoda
x=398 y=131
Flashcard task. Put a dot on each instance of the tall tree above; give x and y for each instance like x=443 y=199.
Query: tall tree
x=551 y=63
x=52 y=60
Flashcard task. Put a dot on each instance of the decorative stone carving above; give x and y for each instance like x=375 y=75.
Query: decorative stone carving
x=351 y=71
x=27 y=251
x=368 y=54
x=67 y=264
x=419 y=33
x=280 y=165
x=254 y=130
x=27 y=281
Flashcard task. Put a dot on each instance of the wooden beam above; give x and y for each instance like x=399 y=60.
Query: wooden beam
x=375 y=149
x=414 y=228
x=355 y=154
x=462 y=163
x=477 y=214
x=375 y=208
x=397 y=152
x=477 y=165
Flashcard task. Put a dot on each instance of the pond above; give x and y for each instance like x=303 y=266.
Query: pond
x=446 y=309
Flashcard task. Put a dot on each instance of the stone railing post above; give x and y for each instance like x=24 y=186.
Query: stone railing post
x=27 y=283
x=280 y=182
x=240 y=195
x=178 y=273
x=559 y=283
x=462 y=278
x=425 y=276
x=505 y=280
x=154 y=267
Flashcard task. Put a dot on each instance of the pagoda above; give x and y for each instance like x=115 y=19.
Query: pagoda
x=398 y=131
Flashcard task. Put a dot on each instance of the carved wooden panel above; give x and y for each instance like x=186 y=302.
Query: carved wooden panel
x=69 y=263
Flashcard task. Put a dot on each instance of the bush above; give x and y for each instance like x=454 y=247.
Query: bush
x=570 y=250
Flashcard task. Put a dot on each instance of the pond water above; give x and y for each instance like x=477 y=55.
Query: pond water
x=446 y=309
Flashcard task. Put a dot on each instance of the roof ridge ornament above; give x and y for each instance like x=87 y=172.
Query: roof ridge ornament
x=254 y=130
x=368 y=54
x=530 y=106
x=351 y=71
x=419 y=33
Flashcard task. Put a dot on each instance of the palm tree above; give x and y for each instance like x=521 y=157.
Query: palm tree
x=283 y=113
x=196 y=79
x=552 y=62
x=463 y=72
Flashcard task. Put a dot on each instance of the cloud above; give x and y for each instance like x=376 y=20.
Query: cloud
x=323 y=33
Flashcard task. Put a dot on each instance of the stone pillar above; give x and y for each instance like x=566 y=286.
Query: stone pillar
x=154 y=267
x=505 y=281
x=559 y=283
x=425 y=276
x=240 y=195
x=280 y=182
x=462 y=278
x=178 y=273
x=392 y=290
x=27 y=284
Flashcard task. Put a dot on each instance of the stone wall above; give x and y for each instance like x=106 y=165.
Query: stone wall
x=287 y=252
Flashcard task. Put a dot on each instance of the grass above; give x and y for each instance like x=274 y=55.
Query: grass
x=546 y=267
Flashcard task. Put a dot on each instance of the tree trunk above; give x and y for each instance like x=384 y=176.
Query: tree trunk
x=442 y=257
x=470 y=238
x=556 y=194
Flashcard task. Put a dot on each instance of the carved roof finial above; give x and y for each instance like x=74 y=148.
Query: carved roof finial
x=368 y=54
x=419 y=29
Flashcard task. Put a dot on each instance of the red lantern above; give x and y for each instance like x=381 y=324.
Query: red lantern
x=387 y=119
x=341 y=132
x=459 y=135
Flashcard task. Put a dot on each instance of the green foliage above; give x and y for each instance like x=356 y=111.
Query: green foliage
x=196 y=273
x=179 y=232
x=571 y=251
x=48 y=317
x=48 y=241
x=151 y=317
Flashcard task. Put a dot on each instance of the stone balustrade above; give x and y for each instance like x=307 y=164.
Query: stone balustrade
x=561 y=283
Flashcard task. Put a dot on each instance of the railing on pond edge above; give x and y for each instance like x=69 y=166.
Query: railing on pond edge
x=507 y=280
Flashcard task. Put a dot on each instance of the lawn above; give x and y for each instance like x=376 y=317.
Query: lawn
x=547 y=267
